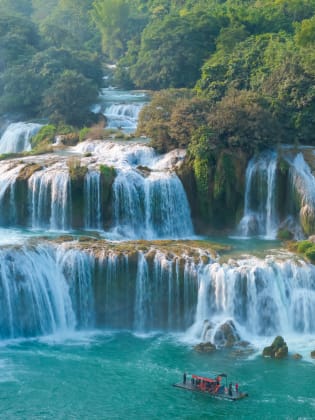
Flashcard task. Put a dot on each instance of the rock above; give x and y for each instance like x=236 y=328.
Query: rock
x=297 y=356
x=205 y=347
x=277 y=350
x=144 y=170
x=226 y=335
x=313 y=354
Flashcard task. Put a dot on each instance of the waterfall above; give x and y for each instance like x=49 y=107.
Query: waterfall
x=92 y=200
x=34 y=296
x=260 y=213
x=121 y=108
x=264 y=297
x=123 y=116
x=50 y=288
x=143 y=303
x=303 y=184
x=16 y=137
x=151 y=207
x=8 y=204
x=50 y=199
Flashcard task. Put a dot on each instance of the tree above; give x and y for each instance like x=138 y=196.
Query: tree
x=187 y=116
x=242 y=120
x=69 y=97
x=180 y=45
x=117 y=25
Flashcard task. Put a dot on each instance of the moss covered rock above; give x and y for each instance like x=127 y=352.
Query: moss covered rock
x=277 y=350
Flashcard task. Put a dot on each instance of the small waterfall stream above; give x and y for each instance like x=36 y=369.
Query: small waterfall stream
x=260 y=214
x=121 y=108
x=16 y=137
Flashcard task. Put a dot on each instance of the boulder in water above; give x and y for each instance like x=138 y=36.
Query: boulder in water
x=313 y=354
x=226 y=335
x=205 y=347
x=277 y=350
x=297 y=356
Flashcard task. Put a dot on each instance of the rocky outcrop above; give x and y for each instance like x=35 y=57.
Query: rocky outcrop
x=297 y=356
x=226 y=335
x=277 y=350
x=205 y=347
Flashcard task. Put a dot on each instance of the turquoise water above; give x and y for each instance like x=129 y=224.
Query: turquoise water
x=120 y=375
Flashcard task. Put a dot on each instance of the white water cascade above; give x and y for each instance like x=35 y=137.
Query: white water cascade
x=50 y=199
x=149 y=200
x=260 y=214
x=261 y=297
x=92 y=194
x=47 y=288
x=152 y=207
x=120 y=108
x=303 y=185
x=8 y=178
x=16 y=137
x=35 y=298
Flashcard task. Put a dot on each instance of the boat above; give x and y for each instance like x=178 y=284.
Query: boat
x=215 y=386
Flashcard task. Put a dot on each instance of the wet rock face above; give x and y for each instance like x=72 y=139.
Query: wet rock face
x=277 y=350
x=226 y=335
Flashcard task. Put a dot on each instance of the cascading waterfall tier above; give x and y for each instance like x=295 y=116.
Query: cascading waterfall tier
x=279 y=194
x=16 y=137
x=126 y=188
x=145 y=287
x=120 y=108
x=260 y=214
x=51 y=288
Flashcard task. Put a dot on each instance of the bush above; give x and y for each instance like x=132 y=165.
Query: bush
x=76 y=171
x=310 y=253
x=45 y=135
x=303 y=246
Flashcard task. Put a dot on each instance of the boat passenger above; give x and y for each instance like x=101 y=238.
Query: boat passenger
x=184 y=378
x=230 y=389
x=236 y=388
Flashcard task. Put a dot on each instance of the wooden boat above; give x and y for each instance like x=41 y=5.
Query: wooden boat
x=212 y=386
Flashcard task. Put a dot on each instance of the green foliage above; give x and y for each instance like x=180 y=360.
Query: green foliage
x=304 y=245
x=76 y=171
x=180 y=44
x=45 y=135
x=310 y=253
x=30 y=63
x=69 y=97
x=107 y=172
x=155 y=118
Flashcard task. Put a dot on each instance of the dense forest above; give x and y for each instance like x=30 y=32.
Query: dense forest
x=226 y=59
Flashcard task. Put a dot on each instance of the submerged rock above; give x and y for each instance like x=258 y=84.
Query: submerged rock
x=205 y=347
x=277 y=350
x=297 y=356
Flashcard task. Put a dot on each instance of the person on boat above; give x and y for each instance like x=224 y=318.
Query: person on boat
x=184 y=378
x=230 y=389
x=236 y=388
